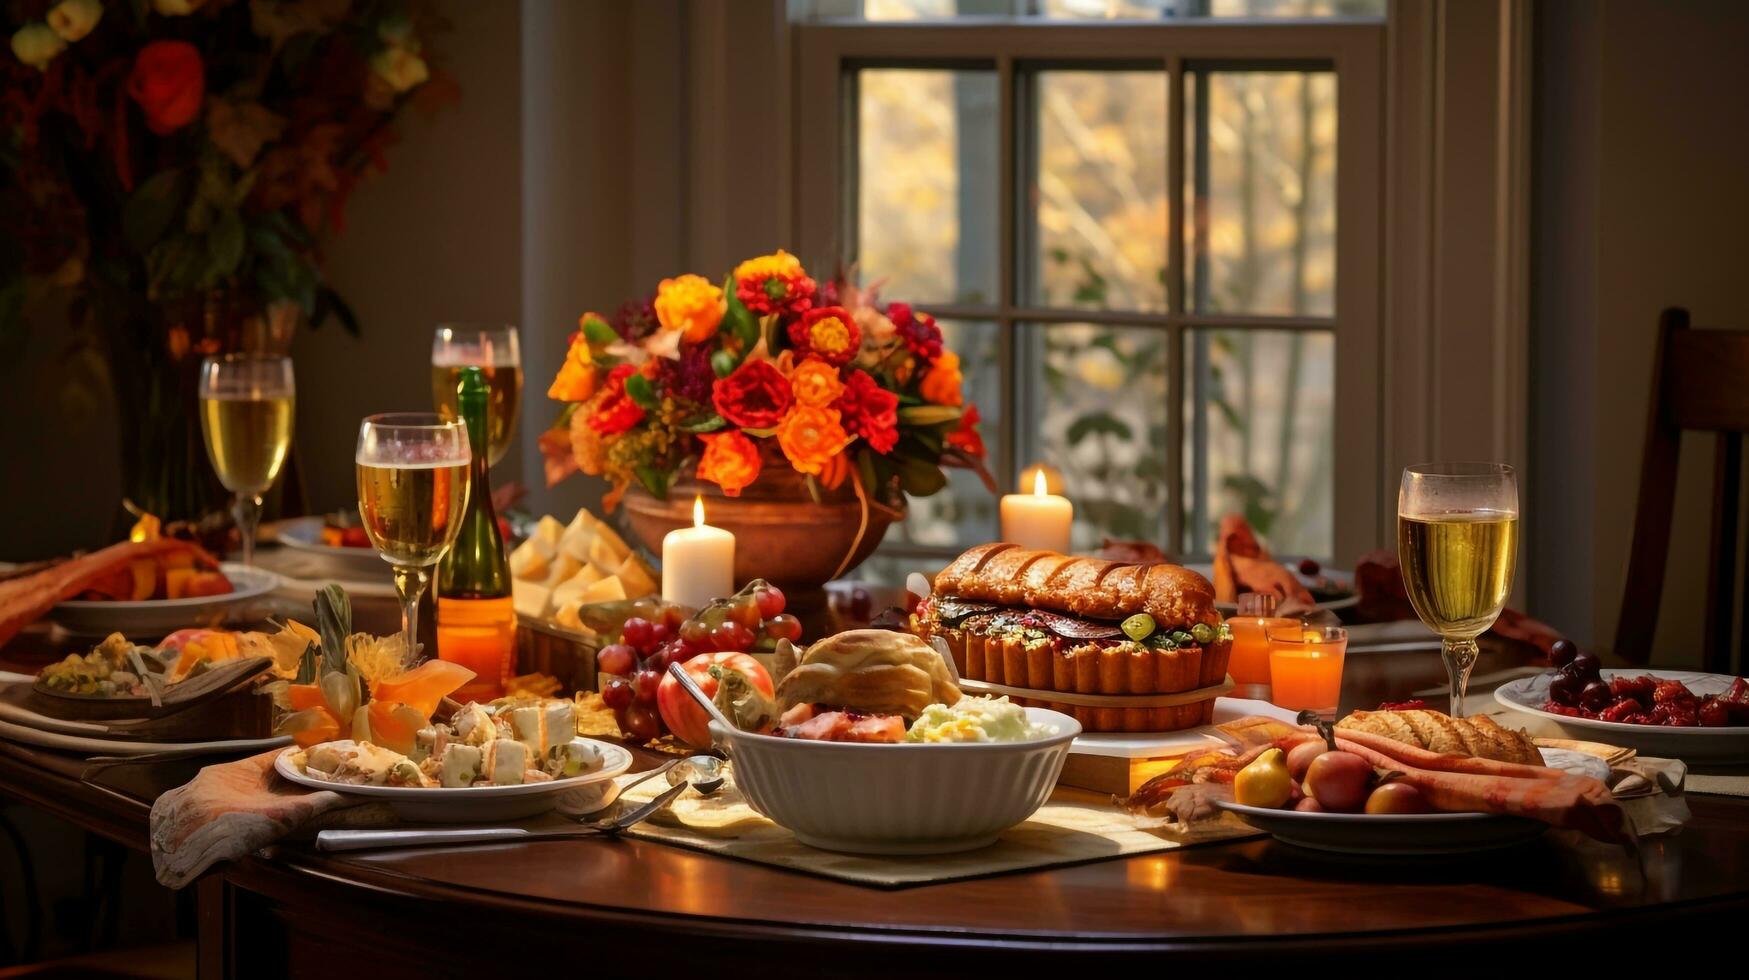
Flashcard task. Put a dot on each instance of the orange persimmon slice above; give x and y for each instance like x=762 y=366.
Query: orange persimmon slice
x=393 y=726
x=304 y=696
x=422 y=687
x=312 y=726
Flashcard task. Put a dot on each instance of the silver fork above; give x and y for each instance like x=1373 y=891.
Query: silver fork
x=355 y=840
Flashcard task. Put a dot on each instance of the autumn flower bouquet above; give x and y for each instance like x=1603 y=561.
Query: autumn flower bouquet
x=169 y=166
x=767 y=369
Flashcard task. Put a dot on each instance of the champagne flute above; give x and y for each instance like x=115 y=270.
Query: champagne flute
x=1457 y=541
x=412 y=493
x=247 y=402
x=497 y=352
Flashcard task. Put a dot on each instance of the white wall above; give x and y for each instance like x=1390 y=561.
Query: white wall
x=1643 y=150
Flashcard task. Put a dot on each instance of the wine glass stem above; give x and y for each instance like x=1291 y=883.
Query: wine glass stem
x=410 y=583
x=246 y=510
x=1460 y=656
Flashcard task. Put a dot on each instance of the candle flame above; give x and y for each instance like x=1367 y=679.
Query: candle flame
x=1038 y=482
x=698 y=511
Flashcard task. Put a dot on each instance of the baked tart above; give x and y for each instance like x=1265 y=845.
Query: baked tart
x=1050 y=622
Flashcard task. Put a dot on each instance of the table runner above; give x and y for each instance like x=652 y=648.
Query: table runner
x=1074 y=827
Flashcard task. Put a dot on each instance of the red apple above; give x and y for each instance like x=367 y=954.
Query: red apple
x=1339 y=781
x=1397 y=797
x=1301 y=756
x=685 y=718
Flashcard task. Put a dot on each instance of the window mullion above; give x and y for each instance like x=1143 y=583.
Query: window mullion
x=1008 y=218
x=1175 y=302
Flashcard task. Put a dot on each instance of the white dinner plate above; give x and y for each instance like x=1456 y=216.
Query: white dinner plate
x=151 y=619
x=304 y=535
x=1207 y=571
x=1731 y=744
x=1411 y=833
x=1389 y=834
x=484 y=804
x=84 y=745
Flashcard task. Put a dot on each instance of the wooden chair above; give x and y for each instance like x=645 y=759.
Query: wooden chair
x=1700 y=382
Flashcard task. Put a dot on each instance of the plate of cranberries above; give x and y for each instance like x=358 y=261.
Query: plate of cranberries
x=1675 y=713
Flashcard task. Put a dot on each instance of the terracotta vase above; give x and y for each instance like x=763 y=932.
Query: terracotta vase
x=781 y=534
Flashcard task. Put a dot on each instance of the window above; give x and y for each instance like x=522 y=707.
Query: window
x=1149 y=226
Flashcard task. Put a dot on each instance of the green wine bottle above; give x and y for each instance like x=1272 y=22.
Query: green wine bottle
x=476 y=618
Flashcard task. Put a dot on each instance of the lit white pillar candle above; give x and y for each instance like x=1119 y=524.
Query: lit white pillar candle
x=698 y=562
x=1038 y=520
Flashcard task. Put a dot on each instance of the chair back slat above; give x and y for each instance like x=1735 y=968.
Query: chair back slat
x=1706 y=380
x=1700 y=383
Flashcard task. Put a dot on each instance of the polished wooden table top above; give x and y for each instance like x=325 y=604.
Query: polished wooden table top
x=1249 y=898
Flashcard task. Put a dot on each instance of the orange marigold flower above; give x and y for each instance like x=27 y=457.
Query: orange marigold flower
x=774 y=284
x=778 y=263
x=941 y=383
x=575 y=381
x=815 y=383
x=829 y=332
x=691 y=305
x=810 y=437
x=730 y=460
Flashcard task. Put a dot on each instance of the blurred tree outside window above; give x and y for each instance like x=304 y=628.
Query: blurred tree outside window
x=1203 y=390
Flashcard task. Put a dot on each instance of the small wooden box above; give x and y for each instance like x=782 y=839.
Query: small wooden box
x=562 y=653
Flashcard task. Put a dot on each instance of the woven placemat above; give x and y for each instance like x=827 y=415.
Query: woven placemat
x=1074 y=827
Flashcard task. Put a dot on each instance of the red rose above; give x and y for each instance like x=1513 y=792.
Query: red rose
x=617 y=412
x=870 y=411
x=755 y=396
x=168 y=81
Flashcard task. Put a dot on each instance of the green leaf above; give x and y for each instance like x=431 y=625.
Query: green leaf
x=919 y=477
x=706 y=423
x=334 y=623
x=150 y=210
x=866 y=465
x=639 y=390
x=598 y=331
x=655 y=481
x=224 y=247
x=738 y=320
x=929 y=414
x=724 y=363
x=759 y=433
x=1098 y=423
x=331 y=303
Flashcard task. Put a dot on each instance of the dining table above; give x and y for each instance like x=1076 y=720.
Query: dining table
x=614 y=906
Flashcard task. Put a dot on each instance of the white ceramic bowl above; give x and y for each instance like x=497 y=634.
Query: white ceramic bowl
x=899 y=799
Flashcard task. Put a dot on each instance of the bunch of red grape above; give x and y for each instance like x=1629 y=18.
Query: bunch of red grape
x=631 y=668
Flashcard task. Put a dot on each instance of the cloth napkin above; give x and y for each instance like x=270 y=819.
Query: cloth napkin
x=234 y=809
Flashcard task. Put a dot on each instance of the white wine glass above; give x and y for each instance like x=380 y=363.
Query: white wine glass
x=247 y=403
x=497 y=351
x=1457 y=542
x=412 y=493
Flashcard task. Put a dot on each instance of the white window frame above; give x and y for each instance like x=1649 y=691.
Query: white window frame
x=826 y=56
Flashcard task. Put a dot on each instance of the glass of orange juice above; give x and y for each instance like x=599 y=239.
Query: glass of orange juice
x=1305 y=667
x=1249 y=660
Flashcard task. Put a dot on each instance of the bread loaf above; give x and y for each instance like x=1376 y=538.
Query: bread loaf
x=1436 y=731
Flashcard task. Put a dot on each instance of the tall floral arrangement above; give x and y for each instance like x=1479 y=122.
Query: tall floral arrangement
x=170 y=167
x=768 y=368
